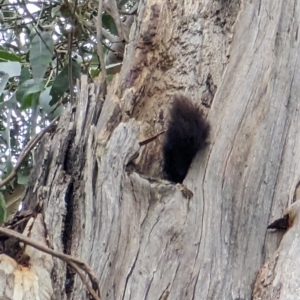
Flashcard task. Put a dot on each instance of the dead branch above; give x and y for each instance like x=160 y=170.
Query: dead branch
x=31 y=144
x=74 y=262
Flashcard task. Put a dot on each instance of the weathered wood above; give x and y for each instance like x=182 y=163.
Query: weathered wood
x=279 y=277
x=28 y=281
x=57 y=182
x=204 y=246
x=142 y=238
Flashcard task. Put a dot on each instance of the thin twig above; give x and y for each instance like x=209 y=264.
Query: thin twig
x=40 y=14
x=36 y=27
x=65 y=257
x=19 y=222
x=70 y=65
x=26 y=150
x=89 y=288
x=70 y=46
x=147 y=141
x=99 y=39
x=126 y=13
x=112 y=9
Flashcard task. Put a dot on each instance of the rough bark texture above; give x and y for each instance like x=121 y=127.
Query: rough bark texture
x=139 y=235
x=30 y=276
x=279 y=277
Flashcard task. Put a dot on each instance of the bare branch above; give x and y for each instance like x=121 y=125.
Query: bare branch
x=72 y=261
x=99 y=39
x=149 y=140
x=89 y=288
x=112 y=8
x=32 y=143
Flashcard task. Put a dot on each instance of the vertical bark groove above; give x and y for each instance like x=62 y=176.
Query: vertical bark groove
x=140 y=236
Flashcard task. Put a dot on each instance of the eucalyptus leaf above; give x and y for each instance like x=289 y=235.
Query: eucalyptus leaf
x=109 y=23
x=61 y=82
x=55 y=11
x=3 y=135
x=9 y=13
x=3 y=81
x=41 y=51
x=12 y=68
x=10 y=103
x=57 y=112
x=8 y=168
x=8 y=56
x=30 y=101
x=28 y=87
x=25 y=74
x=44 y=102
x=2 y=209
x=22 y=178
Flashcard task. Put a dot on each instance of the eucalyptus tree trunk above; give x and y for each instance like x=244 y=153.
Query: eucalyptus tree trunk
x=142 y=238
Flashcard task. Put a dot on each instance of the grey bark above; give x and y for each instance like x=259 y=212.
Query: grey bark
x=278 y=278
x=140 y=236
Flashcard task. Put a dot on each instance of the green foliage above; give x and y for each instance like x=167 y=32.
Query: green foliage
x=7 y=56
x=44 y=101
x=109 y=23
x=61 y=82
x=2 y=208
x=25 y=74
x=38 y=43
x=12 y=68
x=8 y=168
x=110 y=77
x=29 y=87
x=22 y=178
x=41 y=52
x=3 y=81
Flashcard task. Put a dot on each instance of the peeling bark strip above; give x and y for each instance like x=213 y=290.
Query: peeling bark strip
x=34 y=280
x=78 y=265
x=143 y=240
x=279 y=277
x=57 y=183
